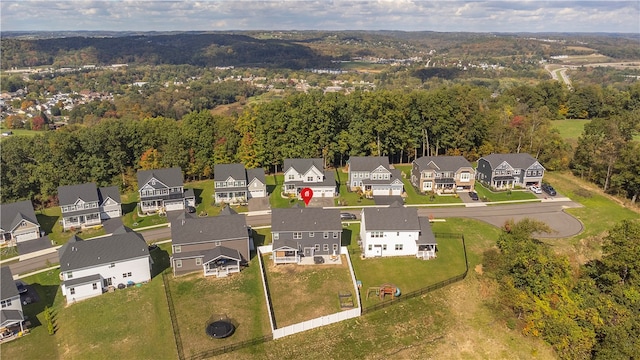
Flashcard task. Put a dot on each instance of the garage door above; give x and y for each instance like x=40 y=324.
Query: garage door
x=110 y=214
x=27 y=236
x=380 y=192
x=174 y=206
x=257 y=193
x=396 y=191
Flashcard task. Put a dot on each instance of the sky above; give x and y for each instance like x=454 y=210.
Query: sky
x=406 y=15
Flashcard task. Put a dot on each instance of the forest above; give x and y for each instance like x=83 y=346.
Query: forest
x=456 y=120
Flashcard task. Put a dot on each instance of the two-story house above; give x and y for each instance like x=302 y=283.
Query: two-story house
x=86 y=205
x=374 y=176
x=506 y=171
x=305 y=232
x=88 y=268
x=308 y=173
x=396 y=231
x=162 y=190
x=216 y=246
x=442 y=174
x=11 y=315
x=18 y=223
x=234 y=183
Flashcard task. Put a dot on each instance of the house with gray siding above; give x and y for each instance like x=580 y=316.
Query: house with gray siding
x=507 y=171
x=373 y=175
x=11 y=316
x=18 y=223
x=85 y=205
x=162 y=190
x=235 y=184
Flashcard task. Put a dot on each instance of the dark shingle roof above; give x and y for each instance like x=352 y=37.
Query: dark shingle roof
x=67 y=195
x=329 y=180
x=12 y=214
x=391 y=219
x=303 y=165
x=8 y=288
x=442 y=163
x=79 y=254
x=367 y=163
x=221 y=172
x=255 y=174
x=109 y=192
x=426 y=235
x=170 y=177
x=9 y=316
x=207 y=229
x=121 y=230
x=306 y=219
x=220 y=251
x=517 y=161
x=228 y=211
x=83 y=280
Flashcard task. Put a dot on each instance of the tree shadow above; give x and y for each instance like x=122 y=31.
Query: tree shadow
x=129 y=207
x=47 y=222
x=46 y=295
x=346 y=237
x=198 y=194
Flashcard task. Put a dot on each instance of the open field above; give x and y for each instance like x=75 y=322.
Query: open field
x=570 y=130
x=299 y=292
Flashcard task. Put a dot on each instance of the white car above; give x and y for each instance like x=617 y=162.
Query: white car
x=535 y=189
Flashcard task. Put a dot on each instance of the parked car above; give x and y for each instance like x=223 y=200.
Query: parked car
x=535 y=189
x=473 y=195
x=22 y=287
x=549 y=189
x=347 y=216
x=191 y=209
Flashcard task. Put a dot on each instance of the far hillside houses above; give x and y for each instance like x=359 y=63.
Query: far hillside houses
x=308 y=173
x=442 y=174
x=162 y=190
x=507 y=171
x=89 y=268
x=86 y=205
x=18 y=223
x=396 y=231
x=216 y=246
x=374 y=176
x=235 y=184
x=300 y=233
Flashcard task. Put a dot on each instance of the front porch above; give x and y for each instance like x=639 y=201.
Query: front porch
x=81 y=221
x=220 y=270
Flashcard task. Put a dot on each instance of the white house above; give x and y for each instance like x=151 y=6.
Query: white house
x=234 y=183
x=11 y=315
x=89 y=268
x=308 y=173
x=374 y=176
x=163 y=190
x=396 y=231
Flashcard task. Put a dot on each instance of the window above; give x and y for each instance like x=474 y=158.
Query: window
x=384 y=247
x=290 y=177
x=309 y=178
x=126 y=275
x=5 y=303
x=276 y=236
x=178 y=263
x=377 y=234
x=112 y=265
x=198 y=261
x=95 y=286
x=317 y=247
x=72 y=291
x=465 y=177
x=325 y=247
x=69 y=275
x=177 y=249
x=398 y=247
x=335 y=234
x=297 y=235
x=370 y=247
x=312 y=234
x=325 y=234
x=335 y=247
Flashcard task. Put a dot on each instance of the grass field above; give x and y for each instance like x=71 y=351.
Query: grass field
x=413 y=197
x=274 y=187
x=570 y=130
x=487 y=195
x=299 y=293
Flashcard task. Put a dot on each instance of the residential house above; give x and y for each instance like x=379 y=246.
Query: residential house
x=86 y=205
x=308 y=173
x=234 y=183
x=374 y=176
x=11 y=316
x=305 y=232
x=162 y=190
x=396 y=231
x=442 y=174
x=506 y=171
x=89 y=268
x=18 y=223
x=214 y=245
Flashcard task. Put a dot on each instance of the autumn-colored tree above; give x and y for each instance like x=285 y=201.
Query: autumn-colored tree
x=150 y=159
x=37 y=123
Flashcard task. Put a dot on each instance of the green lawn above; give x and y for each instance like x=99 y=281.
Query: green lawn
x=274 y=187
x=487 y=195
x=50 y=221
x=414 y=197
x=570 y=130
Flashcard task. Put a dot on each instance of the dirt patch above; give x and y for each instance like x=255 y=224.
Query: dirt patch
x=478 y=269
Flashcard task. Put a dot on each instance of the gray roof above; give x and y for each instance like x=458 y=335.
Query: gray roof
x=189 y=193
x=207 y=229
x=391 y=219
x=367 y=163
x=12 y=214
x=329 y=180
x=227 y=210
x=305 y=219
x=221 y=172
x=67 y=195
x=442 y=163
x=220 y=251
x=517 y=161
x=112 y=192
x=171 y=177
x=257 y=173
x=8 y=288
x=8 y=317
x=426 y=235
x=395 y=175
x=303 y=165
x=79 y=254
x=121 y=230
x=83 y=280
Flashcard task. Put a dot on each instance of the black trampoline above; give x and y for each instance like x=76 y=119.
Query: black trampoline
x=220 y=329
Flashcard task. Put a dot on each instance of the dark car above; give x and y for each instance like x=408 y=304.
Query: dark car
x=191 y=209
x=549 y=189
x=347 y=216
x=473 y=195
x=22 y=287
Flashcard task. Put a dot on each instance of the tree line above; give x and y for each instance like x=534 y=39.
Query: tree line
x=455 y=120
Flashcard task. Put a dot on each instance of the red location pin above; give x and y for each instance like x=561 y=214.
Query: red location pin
x=306 y=195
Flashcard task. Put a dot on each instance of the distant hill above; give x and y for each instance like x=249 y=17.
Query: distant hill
x=175 y=49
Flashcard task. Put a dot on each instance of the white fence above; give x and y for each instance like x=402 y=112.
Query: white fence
x=313 y=323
